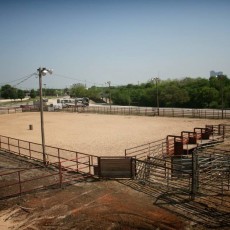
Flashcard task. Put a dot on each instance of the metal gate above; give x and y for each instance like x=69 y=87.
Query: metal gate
x=170 y=174
x=213 y=173
x=115 y=167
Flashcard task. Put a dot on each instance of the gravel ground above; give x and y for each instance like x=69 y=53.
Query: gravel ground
x=101 y=135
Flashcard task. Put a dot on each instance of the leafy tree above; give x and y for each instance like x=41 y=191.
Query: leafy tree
x=49 y=92
x=227 y=97
x=148 y=97
x=94 y=93
x=13 y=93
x=135 y=96
x=33 y=93
x=121 y=97
x=6 y=91
x=173 y=96
x=214 y=83
x=9 y=92
x=66 y=91
x=208 y=95
x=78 y=90
x=21 y=94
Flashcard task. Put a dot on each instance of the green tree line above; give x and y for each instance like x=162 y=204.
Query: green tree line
x=187 y=93
x=9 y=92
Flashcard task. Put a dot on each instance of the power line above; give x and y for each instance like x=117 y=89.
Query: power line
x=83 y=81
x=31 y=75
x=76 y=79
x=24 y=79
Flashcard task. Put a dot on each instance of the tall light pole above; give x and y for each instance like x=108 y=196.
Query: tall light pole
x=44 y=90
x=157 y=79
x=221 y=78
x=109 y=83
x=42 y=72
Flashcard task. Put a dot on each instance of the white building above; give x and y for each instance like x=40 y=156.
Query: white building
x=214 y=73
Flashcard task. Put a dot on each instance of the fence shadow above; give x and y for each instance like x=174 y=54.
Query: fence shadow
x=179 y=203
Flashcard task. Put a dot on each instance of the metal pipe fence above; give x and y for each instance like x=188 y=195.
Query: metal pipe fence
x=203 y=175
x=10 y=110
x=152 y=111
x=66 y=166
x=33 y=150
x=213 y=175
x=165 y=174
x=26 y=180
x=132 y=110
x=188 y=140
x=155 y=148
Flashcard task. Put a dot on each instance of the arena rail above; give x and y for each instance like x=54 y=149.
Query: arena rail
x=152 y=111
x=83 y=162
x=18 y=181
x=10 y=110
x=155 y=148
x=63 y=167
x=22 y=183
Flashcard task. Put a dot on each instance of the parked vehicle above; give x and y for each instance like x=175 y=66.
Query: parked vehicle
x=57 y=106
x=83 y=100
x=73 y=102
x=65 y=102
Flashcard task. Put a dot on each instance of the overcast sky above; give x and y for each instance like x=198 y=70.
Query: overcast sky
x=122 y=41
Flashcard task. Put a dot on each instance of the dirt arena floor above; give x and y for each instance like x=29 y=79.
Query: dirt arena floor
x=100 y=135
x=96 y=204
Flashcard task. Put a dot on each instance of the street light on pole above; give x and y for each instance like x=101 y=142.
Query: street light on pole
x=109 y=83
x=221 y=78
x=157 y=79
x=44 y=90
x=42 y=72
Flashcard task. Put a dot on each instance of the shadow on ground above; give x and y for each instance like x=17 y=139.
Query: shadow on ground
x=196 y=211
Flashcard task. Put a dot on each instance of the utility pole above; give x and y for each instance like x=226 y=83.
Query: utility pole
x=109 y=83
x=222 y=99
x=157 y=96
x=44 y=90
x=221 y=78
x=42 y=72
